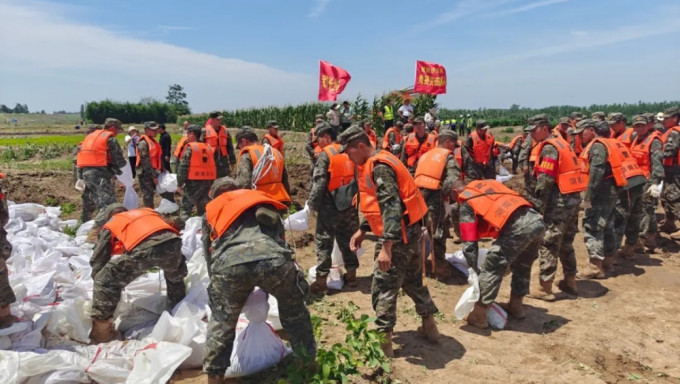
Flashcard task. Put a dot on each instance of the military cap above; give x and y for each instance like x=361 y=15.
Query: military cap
x=528 y=128
x=317 y=121
x=602 y=128
x=598 y=116
x=221 y=185
x=150 y=125
x=651 y=117
x=419 y=120
x=93 y=127
x=105 y=214
x=537 y=120
x=215 y=115
x=583 y=124
x=350 y=134
x=616 y=117
x=671 y=112
x=399 y=123
x=246 y=132
x=319 y=116
x=639 y=119
x=447 y=134
x=272 y=123
x=564 y=120
x=408 y=127
x=481 y=124
x=576 y=116
x=366 y=121
x=323 y=128
x=195 y=129
x=111 y=122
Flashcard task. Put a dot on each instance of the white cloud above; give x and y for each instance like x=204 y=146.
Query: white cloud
x=318 y=9
x=60 y=63
x=528 y=7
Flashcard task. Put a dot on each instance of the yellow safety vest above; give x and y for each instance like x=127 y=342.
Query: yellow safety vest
x=388 y=115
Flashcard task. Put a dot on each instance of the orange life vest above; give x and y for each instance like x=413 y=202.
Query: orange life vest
x=626 y=137
x=414 y=149
x=430 y=168
x=94 y=151
x=640 y=152
x=578 y=148
x=272 y=181
x=202 y=162
x=409 y=193
x=130 y=228
x=670 y=161
x=568 y=175
x=181 y=145
x=223 y=210
x=386 y=138
x=341 y=168
x=458 y=155
x=558 y=132
x=154 y=152
x=515 y=140
x=628 y=164
x=274 y=141
x=614 y=158
x=372 y=138
x=533 y=156
x=217 y=140
x=481 y=149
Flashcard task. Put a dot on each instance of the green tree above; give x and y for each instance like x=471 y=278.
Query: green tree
x=178 y=99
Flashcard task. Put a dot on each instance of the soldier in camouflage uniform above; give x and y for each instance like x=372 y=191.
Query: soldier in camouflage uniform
x=6 y=293
x=89 y=205
x=526 y=165
x=671 y=189
x=398 y=250
x=194 y=192
x=222 y=162
x=596 y=116
x=337 y=219
x=560 y=214
x=249 y=251
x=147 y=174
x=162 y=249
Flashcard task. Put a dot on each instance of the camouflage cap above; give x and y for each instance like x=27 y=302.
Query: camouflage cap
x=599 y=116
x=671 y=112
x=93 y=127
x=105 y=214
x=616 y=117
x=651 y=117
x=639 y=119
x=602 y=128
x=246 y=132
x=215 y=115
x=350 y=134
x=111 y=122
x=319 y=116
x=150 y=125
x=481 y=124
x=399 y=123
x=323 y=128
x=221 y=185
x=408 y=127
x=195 y=129
x=447 y=134
x=272 y=123
x=536 y=121
x=419 y=120
x=576 y=116
x=564 y=120
x=583 y=124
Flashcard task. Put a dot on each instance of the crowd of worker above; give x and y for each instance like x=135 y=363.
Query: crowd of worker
x=415 y=182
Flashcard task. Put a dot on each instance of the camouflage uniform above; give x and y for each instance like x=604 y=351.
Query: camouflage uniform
x=516 y=247
x=560 y=214
x=671 y=184
x=6 y=293
x=648 y=224
x=406 y=272
x=515 y=154
x=147 y=176
x=223 y=163
x=481 y=171
x=524 y=163
x=394 y=147
x=331 y=223
x=98 y=180
x=251 y=254
x=404 y=155
x=244 y=173
x=194 y=192
x=89 y=205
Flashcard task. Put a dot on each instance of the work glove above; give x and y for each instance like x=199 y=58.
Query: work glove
x=654 y=190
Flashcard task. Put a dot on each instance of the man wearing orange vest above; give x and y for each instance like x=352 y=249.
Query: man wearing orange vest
x=647 y=149
x=393 y=140
x=144 y=240
x=88 y=204
x=311 y=145
x=480 y=145
x=559 y=183
x=256 y=170
x=575 y=141
x=217 y=136
x=272 y=137
x=100 y=157
x=393 y=210
x=602 y=163
x=179 y=149
x=372 y=137
x=617 y=123
x=437 y=171
x=489 y=209
x=526 y=161
x=671 y=190
x=149 y=165
x=195 y=174
x=244 y=246
x=7 y=296
x=416 y=144
x=334 y=186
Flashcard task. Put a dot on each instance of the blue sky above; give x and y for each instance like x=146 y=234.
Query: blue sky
x=56 y=55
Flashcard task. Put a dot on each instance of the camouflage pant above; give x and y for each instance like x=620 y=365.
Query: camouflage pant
x=671 y=198
x=436 y=211
x=6 y=293
x=339 y=226
x=598 y=226
x=648 y=224
x=558 y=242
x=89 y=206
x=222 y=165
x=194 y=193
x=405 y=273
x=516 y=247
x=530 y=183
x=121 y=271
x=627 y=215
x=99 y=190
x=148 y=187
x=228 y=291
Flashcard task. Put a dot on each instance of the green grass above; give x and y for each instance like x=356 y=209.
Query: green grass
x=42 y=165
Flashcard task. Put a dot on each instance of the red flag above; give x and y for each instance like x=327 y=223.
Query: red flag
x=332 y=81
x=430 y=78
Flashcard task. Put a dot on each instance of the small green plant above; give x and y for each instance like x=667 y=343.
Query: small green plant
x=71 y=231
x=50 y=201
x=67 y=208
x=508 y=130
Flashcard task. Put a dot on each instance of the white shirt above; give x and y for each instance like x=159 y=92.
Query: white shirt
x=406 y=110
x=131 y=145
x=333 y=117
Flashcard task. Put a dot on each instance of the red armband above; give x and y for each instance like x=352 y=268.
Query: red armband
x=468 y=231
x=548 y=166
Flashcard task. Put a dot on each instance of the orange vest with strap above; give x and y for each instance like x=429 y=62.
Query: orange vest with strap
x=202 y=162
x=179 y=149
x=458 y=155
x=414 y=149
x=94 y=150
x=626 y=137
x=430 y=168
x=567 y=170
x=272 y=181
x=629 y=166
x=217 y=140
x=493 y=203
x=221 y=212
x=275 y=142
x=341 y=168
x=386 y=138
x=614 y=158
x=515 y=140
x=314 y=143
x=670 y=161
x=481 y=149
x=155 y=152
x=409 y=194
x=372 y=138
x=640 y=150
x=578 y=147
x=130 y=228
x=533 y=156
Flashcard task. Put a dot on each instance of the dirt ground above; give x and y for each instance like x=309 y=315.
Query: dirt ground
x=619 y=330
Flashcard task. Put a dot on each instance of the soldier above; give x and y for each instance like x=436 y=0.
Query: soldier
x=647 y=149
x=437 y=171
x=393 y=210
x=490 y=209
x=671 y=161
x=370 y=132
x=602 y=163
x=195 y=174
x=311 y=146
x=144 y=240
x=480 y=145
x=179 y=149
x=217 y=136
x=6 y=293
x=393 y=141
x=88 y=203
x=100 y=157
x=272 y=137
x=526 y=161
x=575 y=141
x=244 y=248
x=416 y=144
x=149 y=164
x=271 y=176
x=559 y=182
x=515 y=149
x=333 y=188
x=598 y=116
x=617 y=124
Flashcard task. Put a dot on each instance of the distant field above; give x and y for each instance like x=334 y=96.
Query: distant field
x=34 y=119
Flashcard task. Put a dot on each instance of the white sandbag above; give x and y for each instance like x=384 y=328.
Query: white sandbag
x=126 y=177
x=336 y=255
x=256 y=347
x=26 y=211
x=71 y=319
x=469 y=297
x=334 y=280
x=191 y=236
x=186 y=329
x=85 y=228
x=273 y=318
x=496 y=316
x=130 y=200
x=167 y=207
x=503 y=179
x=298 y=221
x=457 y=260
x=62 y=376
x=502 y=171
x=167 y=182
x=157 y=362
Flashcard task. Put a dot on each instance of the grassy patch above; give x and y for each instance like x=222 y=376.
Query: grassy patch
x=43 y=165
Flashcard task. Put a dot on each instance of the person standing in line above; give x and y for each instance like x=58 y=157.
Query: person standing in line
x=131 y=140
x=166 y=146
x=150 y=165
x=387 y=115
x=216 y=135
x=195 y=174
x=346 y=115
x=333 y=117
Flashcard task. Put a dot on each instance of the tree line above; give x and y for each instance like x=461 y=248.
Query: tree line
x=19 y=108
